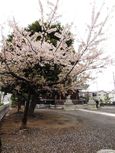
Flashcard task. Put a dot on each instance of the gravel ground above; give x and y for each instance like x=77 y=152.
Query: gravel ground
x=67 y=133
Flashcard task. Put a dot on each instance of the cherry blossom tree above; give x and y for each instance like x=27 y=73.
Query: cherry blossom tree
x=28 y=60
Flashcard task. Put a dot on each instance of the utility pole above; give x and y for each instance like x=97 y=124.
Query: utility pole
x=114 y=80
x=112 y=62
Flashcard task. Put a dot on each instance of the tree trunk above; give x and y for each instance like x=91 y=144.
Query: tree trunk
x=19 y=107
x=25 y=116
x=32 y=107
x=77 y=97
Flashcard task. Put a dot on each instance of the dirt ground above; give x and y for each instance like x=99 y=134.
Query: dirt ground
x=49 y=119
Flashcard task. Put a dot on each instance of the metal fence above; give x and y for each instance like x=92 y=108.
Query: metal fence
x=3 y=111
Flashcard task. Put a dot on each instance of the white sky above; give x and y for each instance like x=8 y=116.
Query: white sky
x=78 y=11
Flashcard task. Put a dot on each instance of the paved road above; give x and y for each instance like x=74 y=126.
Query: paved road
x=98 y=133
x=97 y=118
x=109 y=109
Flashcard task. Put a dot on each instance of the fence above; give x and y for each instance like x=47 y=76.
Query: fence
x=3 y=111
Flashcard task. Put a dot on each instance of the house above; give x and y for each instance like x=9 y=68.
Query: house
x=112 y=96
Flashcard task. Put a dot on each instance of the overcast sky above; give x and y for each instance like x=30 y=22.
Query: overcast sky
x=77 y=11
